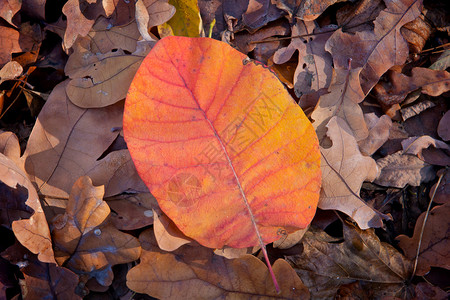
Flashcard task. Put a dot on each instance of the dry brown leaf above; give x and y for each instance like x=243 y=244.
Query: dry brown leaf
x=195 y=272
x=291 y=239
x=8 y=9
x=33 y=233
x=9 y=146
x=66 y=142
x=324 y=265
x=425 y=290
x=444 y=127
x=10 y=71
x=314 y=70
x=417 y=32
x=359 y=16
x=415 y=145
x=9 y=43
x=343 y=171
x=431 y=82
x=167 y=234
x=85 y=241
x=132 y=211
x=416 y=110
x=443 y=191
x=398 y=170
x=34 y=8
x=378 y=50
x=231 y=253
x=435 y=248
x=379 y=129
x=342 y=101
x=151 y=13
x=308 y=10
x=104 y=81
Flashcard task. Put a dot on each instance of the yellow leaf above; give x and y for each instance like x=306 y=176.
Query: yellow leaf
x=185 y=22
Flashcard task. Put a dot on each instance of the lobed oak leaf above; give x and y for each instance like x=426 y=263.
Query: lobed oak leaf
x=344 y=169
x=314 y=70
x=308 y=10
x=185 y=22
x=434 y=250
x=398 y=170
x=84 y=239
x=195 y=272
x=325 y=265
x=212 y=155
x=342 y=101
x=415 y=145
x=377 y=50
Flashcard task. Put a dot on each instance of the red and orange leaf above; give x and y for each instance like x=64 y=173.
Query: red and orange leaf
x=220 y=144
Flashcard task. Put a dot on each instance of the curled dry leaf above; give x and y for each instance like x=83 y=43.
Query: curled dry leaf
x=379 y=129
x=185 y=22
x=378 y=50
x=342 y=101
x=10 y=71
x=308 y=10
x=398 y=170
x=168 y=236
x=33 y=233
x=84 y=239
x=343 y=170
x=212 y=155
x=435 y=241
x=415 y=145
x=195 y=272
x=314 y=70
x=151 y=13
x=324 y=266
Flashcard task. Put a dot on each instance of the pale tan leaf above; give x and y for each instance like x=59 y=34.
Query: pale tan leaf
x=10 y=71
x=168 y=236
x=415 y=145
x=379 y=129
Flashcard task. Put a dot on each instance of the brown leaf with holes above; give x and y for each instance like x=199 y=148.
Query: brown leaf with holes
x=434 y=248
x=84 y=239
x=377 y=50
x=195 y=272
x=342 y=101
x=326 y=263
x=343 y=171
x=314 y=70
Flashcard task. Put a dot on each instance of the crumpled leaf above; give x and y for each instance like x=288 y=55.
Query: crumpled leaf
x=342 y=101
x=85 y=241
x=66 y=143
x=415 y=145
x=8 y=9
x=151 y=13
x=10 y=71
x=431 y=82
x=195 y=272
x=185 y=22
x=398 y=170
x=33 y=233
x=237 y=144
x=379 y=129
x=9 y=43
x=444 y=127
x=325 y=264
x=435 y=248
x=306 y=10
x=378 y=50
x=341 y=190
x=314 y=70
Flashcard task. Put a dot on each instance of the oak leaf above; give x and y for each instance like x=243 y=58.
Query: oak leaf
x=195 y=272
x=84 y=239
x=415 y=145
x=325 y=264
x=214 y=151
x=377 y=50
x=8 y=9
x=343 y=170
x=379 y=129
x=434 y=250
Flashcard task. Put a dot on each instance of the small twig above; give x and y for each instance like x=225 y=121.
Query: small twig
x=423 y=225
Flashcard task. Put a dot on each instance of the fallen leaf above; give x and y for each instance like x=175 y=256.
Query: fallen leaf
x=10 y=71
x=8 y=9
x=290 y=240
x=66 y=142
x=342 y=101
x=80 y=18
x=9 y=43
x=308 y=10
x=416 y=110
x=443 y=191
x=378 y=50
x=425 y=290
x=185 y=22
x=417 y=33
x=434 y=250
x=34 y=9
x=33 y=233
x=85 y=241
x=232 y=253
x=431 y=82
x=314 y=70
x=415 y=145
x=259 y=13
x=168 y=236
x=379 y=129
x=151 y=13
x=9 y=146
x=324 y=265
x=359 y=16
x=236 y=152
x=132 y=211
x=343 y=171
x=398 y=170
x=444 y=127
x=12 y=204
x=443 y=61
x=195 y=272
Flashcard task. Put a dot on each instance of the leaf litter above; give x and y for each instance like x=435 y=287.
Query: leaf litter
x=372 y=77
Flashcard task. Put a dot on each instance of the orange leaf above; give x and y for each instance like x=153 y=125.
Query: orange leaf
x=221 y=145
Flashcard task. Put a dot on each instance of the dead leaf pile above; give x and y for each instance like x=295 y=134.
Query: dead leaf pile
x=79 y=222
